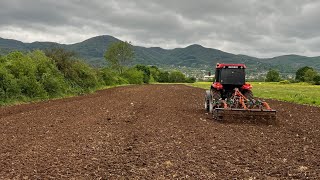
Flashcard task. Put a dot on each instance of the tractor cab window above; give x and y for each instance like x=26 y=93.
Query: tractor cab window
x=235 y=76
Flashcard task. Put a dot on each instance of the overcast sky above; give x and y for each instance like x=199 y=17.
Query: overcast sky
x=252 y=27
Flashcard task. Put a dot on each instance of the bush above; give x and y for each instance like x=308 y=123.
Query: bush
x=121 y=80
x=284 y=82
x=83 y=76
x=24 y=69
x=62 y=58
x=192 y=80
x=146 y=72
x=152 y=80
x=48 y=75
x=109 y=77
x=309 y=75
x=163 y=77
x=35 y=75
x=177 y=77
x=56 y=73
x=154 y=72
x=31 y=88
x=316 y=80
x=9 y=88
x=133 y=76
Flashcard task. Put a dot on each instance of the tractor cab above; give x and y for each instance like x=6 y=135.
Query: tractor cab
x=230 y=76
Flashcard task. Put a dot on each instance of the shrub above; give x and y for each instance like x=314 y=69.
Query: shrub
x=24 y=69
x=62 y=58
x=48 y=75
x=309 y=75
x=83 y=76
x=133 y=76
x=109 y=76
x=154 y=72
x=163 y=77
x=121 y=80
x=152 y=80
x=9 y=87
x=191 y=80
x=31 y=88
x=146 y=72
x=176 y=77
x=284 y=82
x=316 y=80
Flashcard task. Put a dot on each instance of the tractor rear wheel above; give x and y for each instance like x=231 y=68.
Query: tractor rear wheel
x=207 y=101
x=248 y=94
x=216 y=95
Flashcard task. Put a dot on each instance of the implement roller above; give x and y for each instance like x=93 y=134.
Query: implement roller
x=230 y=98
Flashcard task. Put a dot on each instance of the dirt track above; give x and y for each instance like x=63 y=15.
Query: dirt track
x=153 y=131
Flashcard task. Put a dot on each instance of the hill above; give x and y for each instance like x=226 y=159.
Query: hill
x=193 y=56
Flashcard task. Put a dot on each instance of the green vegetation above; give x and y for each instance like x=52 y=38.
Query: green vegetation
x=301 y=73
x=193 y=56
x=119 y=55
x=35 y=76
x=56 y=73
x=133 y=76
x=273 y=76
x=146 y=72
x=301 y=93
x=308 y=74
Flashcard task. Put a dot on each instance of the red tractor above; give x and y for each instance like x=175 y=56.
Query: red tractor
x=230 y=95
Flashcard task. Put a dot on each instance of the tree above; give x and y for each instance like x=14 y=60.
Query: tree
x=316 y=80
x=62 y=58
x=273 y=76
x=301 y=73
x=177 y=76
x=133 y=76
x=163 y=76
x=146 y=72
x=119 y=55
x=309 y=75
x=154 y=73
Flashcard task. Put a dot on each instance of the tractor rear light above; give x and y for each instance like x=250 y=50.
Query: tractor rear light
x=246 y=86
x=217 y=86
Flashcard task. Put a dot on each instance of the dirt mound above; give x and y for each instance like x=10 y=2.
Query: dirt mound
x=153 y=131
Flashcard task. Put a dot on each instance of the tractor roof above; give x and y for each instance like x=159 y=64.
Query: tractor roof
x=219 y=66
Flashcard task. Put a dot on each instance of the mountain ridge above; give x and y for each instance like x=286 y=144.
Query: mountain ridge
x=193 y=56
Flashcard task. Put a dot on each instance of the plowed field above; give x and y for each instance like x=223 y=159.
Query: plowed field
x=153 y=132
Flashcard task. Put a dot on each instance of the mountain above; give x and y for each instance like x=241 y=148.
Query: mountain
x=193 y=56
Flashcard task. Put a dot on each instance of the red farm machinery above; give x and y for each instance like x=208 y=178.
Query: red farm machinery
x=230 y=98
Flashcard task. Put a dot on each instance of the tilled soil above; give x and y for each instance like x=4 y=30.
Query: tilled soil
x=153 y=132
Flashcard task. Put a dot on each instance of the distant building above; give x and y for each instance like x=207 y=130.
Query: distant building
x=206 y=77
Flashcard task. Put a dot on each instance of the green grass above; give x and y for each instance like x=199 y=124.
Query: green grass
x=301 y=93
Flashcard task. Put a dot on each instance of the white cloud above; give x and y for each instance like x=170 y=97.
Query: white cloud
x=252 y=27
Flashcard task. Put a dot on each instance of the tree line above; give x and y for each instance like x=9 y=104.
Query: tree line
x=54 y=73
x=304 y=74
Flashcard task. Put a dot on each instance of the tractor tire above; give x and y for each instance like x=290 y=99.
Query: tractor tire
x=216 y=95
x=208 y=102
x=248 y=94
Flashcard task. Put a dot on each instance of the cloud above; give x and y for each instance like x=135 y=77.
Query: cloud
x=252 y=27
